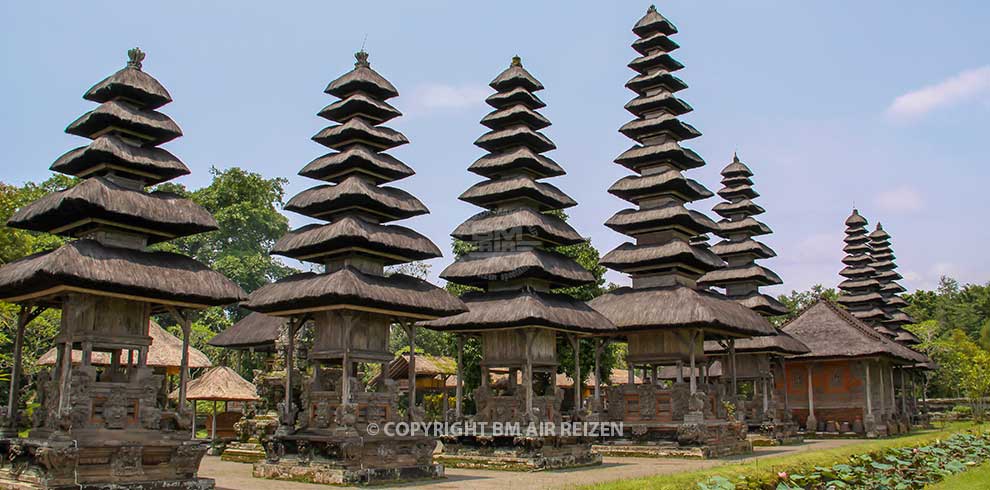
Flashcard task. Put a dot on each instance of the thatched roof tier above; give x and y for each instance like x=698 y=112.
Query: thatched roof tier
x=115 y=115
x=859 y=283
x=832 y=332
x=860 y=292
x=743 y=206
x=98 y=202
x=481 y=268
x=658 y=41
x=670 y=153
x=255 y=331
x=857 y=272
x=742 y=191
x=165 y=351
x=635 y=188
x=747 y=246
x=644 y=83
x=358 y=104
x=516 y=114
x=663 y=101
x=220 y=384
x=741 y=274
x=356 y=194
x=130 y=83
x=882 y=261
x=748 y=226
x=338 y=166
x=111 y=153
x=515 y=136
x=671 y=215
x=518 y=223
x=659 y=60
x=358 y=131
x=763 y=304
x=350 y=289
x=492 y=194
x=884 y=330
x=515 y=76
x=653 y=23
x=362 y=79
x=672 y=307
x=521 y=159
x=518 y=95
x=392 y=244
x=780 y=343
x=630 y=258
x=86 y=265
x=523 y=308
x=643 y=129
x=906 y=337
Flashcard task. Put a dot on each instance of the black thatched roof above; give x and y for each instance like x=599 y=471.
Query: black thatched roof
x=491 y=194
x=392 y=244
x=830 y=331
x=515 y=76
x=255 y=331
x=357 y=130
x=860 y=292
x=748 y=246
x=362 y=79
x=523 y=308
x=86 y=264
x=630 y=258
x=644 y=128
x=752 y=273
x=337 y=166
x=671 y=153
x=747 y=225
x=882 y=261
x=762 y=304
x=742 y=206
x=512 y=136
x=111 y=153
x=493 y=165
x=653 y=23
x=150 y=125
x=672 y=213
x=132 y=84
x=673 y=307
x=348 y=288
x=779 y=343
x=478 y=269
x=635 y=188
x=518 y=95
x=494 y=225
x=645 y=104
x=376 y=111
x=356 y=193
x=516 y=114
x=162 y=214
x=644 y=83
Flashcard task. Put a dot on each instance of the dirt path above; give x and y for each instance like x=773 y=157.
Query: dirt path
x=237 y=476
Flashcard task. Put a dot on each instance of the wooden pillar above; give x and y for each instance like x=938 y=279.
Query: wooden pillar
x=213 y=428
x=812 y=425
x=459 y=393
x=883 y=393
x=783 y=375
x=869 y=390
x=653 y=374
x=13 y=400
x=65 y=376
x=599 y=344
x=193 y=423
x=186 y=324
x=893 y=390
x=576 y=343
x=694 y=382
x=411 y=334
x=345 y=360
x=528 y=379
x=766 y=395
x=287 y=418
x=632 y=371
x=732 y=362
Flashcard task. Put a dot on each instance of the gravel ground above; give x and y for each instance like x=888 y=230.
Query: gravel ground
x=237 y=476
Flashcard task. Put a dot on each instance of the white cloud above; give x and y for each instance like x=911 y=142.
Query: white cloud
x=900 y=199
x=964 y=86
x=439 y=96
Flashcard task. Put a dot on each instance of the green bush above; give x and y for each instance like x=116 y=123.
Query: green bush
x=963 y=411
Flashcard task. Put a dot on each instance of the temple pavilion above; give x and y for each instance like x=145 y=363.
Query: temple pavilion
x=352 y=303
x=758 y=361
x=106 y=425
x=515 y=265
x=665 y=315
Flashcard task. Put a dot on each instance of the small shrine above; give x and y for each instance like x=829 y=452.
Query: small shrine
x=665 y=315
x=105 y=424
x=516 y=314
x=330 y=433
x=758 y=361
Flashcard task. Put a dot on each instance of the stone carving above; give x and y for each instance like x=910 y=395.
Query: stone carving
x=60 y=462
x=304 y=452
x=115 y=410
x=273 y=450
x=647 y=401
x=127 y=462
x=691 y=434
x=323 y=416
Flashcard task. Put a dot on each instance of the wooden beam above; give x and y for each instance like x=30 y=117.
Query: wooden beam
x=459 y=393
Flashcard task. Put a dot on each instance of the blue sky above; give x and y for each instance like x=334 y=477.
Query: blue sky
x=881 y=104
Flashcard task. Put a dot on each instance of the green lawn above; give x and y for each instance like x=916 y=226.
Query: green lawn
x=977 y=478
x=794 y=463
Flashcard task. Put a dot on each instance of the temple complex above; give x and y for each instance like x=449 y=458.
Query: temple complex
x=352 y=303
x=105 y=425
x=516 y=314
x=758 y=361
x=665 y=315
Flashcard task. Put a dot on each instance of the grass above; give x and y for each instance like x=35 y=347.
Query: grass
x=977 y=478
x=792 y=463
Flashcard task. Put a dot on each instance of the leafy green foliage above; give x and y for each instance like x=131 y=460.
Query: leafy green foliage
x=797 y=301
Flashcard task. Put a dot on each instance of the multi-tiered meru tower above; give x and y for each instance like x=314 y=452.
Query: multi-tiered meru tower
x=665 y=315
x=759 y=361
x=516 y=315
x=353 y=303
x=860 y=291
x=104 y=426
x=887 y=277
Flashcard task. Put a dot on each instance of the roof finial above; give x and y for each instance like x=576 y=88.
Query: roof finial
x=362 y=59
x=735 y=157
x=134 y=58
x=516 y=61
x=653 y=8
x=879 y=226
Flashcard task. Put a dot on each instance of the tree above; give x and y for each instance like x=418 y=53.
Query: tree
x=797 y=301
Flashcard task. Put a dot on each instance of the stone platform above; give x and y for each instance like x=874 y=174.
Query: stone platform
x=699 y=440
x=329 y=473
x=517 y=453
x=243 y=452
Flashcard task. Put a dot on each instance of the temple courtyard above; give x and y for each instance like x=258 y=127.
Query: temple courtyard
x=237 y=476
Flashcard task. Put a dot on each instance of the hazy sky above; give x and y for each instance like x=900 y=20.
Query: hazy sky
x=881 y=104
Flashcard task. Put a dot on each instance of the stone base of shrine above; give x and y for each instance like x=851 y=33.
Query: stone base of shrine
x=701 y=440
x=86 y=464
x=775 y=434
x=343 y=458
x=329 y=473
x=517 y=453
x=243 y=452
